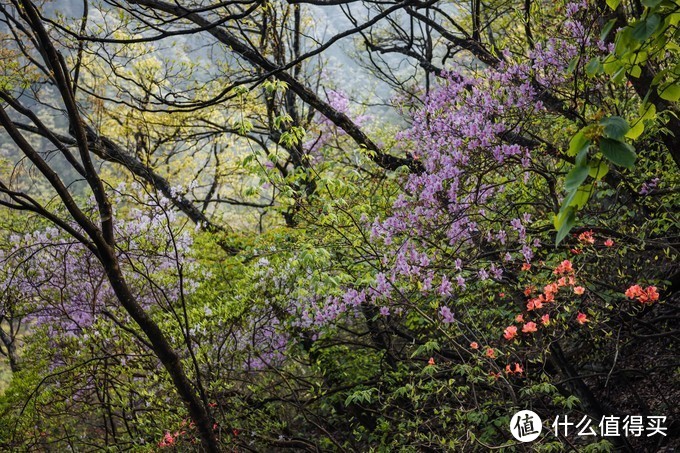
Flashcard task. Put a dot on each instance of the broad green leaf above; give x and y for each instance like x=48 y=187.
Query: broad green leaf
x=606 y=29
x=615 y=127
x=582 y=196
x=564 y=222
x=619 y=75
x=613 y=4
x=637 y=130
x=670 y=93
x=572 y=64
x=651 y=3
x=647 y=112
x=593 y=67
x=619 y=153
x=575 y=177
x=566 y=204
x=598 y=169
x=577 y=143
x=636 y=71
x=611 y=65
x=646 y=28
x=581 y=157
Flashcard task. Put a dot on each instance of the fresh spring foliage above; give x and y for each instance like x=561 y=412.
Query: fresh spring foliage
x=240 y=253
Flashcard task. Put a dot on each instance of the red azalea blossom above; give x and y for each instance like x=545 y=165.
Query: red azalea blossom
x=167 y=441
x=564 y=267
x=474 y=345
x=490 y=353
x=431 y=361
x=579 y=290
x=519 y=318
x=529 y=327
x=634 y=291
x=586 y=237
x=650 y=294
x=581 y=318
x=529 y=289
x=576 y=251
x=536 y=303
x=551 y=288
x=510 y=332
x=545 y=319
x=518 y=368
x=608 y=243
x=526 y=266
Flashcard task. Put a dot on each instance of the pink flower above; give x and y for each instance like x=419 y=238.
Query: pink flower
x=519 y=318
x=652 y=293
x=510 y=332
x=490 y=353
x=586 y=237
x=608 y=243
x=430 y=362
x=634 y=291
x=581 y=318
x=545 y=319
x=551 y=288
x=579 y=290
x=518 y=368
x=529 y=327
x=474 y=345
x=564 y=267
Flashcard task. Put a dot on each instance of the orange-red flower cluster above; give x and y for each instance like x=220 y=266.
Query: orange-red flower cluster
x=518 y=369
x=586 y=237
x=644 y=296
x=564 y=267
x=510 y=332
x=529 y=327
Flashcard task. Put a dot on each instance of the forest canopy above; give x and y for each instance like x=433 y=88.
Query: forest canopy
x=339 y=225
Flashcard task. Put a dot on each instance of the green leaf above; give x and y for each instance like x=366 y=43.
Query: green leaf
x=617 y=152
x=582 y=196
x=646 y=28
x=619 y=75
x=564 y=222
x=577 y=143
x=598 y=169
x=613 y=4
x=572 y=64
x=636 y=71
x=606 y=29
x=637 y=130
x=575 y=177
x=670 y=93
x=615 y=127
x=651 y=3
x=594 y=67
x=611 y=65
